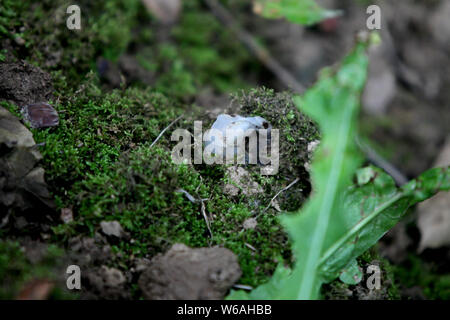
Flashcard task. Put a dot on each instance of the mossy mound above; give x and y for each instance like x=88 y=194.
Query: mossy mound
x=99 y=163
x=296 y=132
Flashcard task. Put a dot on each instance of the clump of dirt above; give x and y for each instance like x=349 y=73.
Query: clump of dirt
x=185 y=273
x=296 y=132
x=106 y=283
x=24 y=84
x=99 y=280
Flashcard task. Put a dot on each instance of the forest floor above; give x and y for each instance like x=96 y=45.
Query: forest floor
x=115 y=204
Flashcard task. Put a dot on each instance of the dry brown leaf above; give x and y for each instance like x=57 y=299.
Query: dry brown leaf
x=38 y=289
x=434 y=214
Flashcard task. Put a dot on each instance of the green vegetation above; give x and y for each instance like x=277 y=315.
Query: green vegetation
x=99 y=162
x=417 y=273
x=16 y=270
x=98 y=159
x=306 y=12
x=339 y=223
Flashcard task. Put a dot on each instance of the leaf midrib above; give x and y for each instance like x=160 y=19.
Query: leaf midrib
x=318 y=239
x=358 y=227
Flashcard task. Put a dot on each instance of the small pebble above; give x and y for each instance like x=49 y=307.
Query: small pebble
x=40 y=115
x=112 y=228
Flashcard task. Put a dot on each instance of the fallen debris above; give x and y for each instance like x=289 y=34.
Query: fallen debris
x=66 y=215
x=434 y=214
x=23 y=83
x=40 y=115
x=112 y=228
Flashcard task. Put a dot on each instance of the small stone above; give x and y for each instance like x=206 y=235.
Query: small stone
x=250 y=223
x=19 y=41
x=40 y=115
x=141 y=264
x=66 y=215
x=313 y=145
x=112 y=228
x=23 y=83
x=113 y=277
x=186 y=273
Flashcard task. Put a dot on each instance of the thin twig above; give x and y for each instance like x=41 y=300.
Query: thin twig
x=243 y=287
x=278 y=193
x=164 y=130
x=188 y=195
x=252 y=45
x=5 y=221
x=250 y=246
x=379 y=161
x=206 y=217
x=202 y=206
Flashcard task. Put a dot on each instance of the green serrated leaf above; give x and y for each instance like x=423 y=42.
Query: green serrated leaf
x=340 y=221
x=333 y=102
x=373 y=209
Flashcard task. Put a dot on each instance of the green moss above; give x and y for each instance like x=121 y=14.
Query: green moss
x=10 y=11
x=416 y=272
x=210 y=51
x=98 y=161
x=204 y=54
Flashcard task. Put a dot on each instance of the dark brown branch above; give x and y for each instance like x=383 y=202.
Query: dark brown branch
x=256 y=49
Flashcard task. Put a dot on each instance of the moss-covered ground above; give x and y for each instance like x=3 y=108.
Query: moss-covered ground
x=99 y=162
